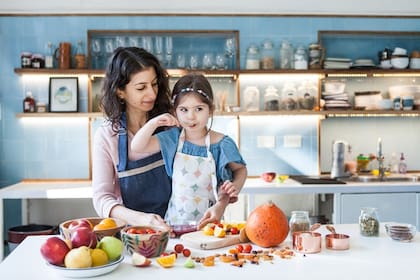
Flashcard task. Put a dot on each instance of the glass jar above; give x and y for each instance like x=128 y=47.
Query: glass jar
x=271 y=99
x=299 y=221
x=369 y=222
x=267 y=55
x=38 y=61
x=286 y=55
x=252 y=58
x=288 y=97
x=251 y=99
x=300 y=59
x=25 y=60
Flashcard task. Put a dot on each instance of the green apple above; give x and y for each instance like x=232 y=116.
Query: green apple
x=112 y=246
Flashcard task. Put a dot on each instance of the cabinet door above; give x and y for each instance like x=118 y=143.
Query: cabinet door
x=397 y=207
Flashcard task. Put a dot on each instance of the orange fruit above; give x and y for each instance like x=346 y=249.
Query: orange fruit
x=166 y=261
x=106 y=223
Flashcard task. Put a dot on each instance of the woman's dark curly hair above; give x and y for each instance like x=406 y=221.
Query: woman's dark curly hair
x=124 y=63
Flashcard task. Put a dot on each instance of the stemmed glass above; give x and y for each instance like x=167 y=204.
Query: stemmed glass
x=109 y=47
x=230 y=47
x=96 y=53
x=159 y=48
x=147 y=43
x=169 y=49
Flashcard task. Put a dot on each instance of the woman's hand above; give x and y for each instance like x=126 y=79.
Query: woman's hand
x=230 y=189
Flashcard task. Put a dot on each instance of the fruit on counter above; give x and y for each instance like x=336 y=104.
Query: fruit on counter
x=186 y=252
x=140 y=260
x=54 y=250
x=219 y=231
x=178 y=248
x=83 y=236
x=112 y=246
x=209 y=229
x=268 y=176
x=80 y=223
x=78 y=258
x=166 y=261
x=106 y=223
x=99 y=257
x=189 y=263
x=267 y=225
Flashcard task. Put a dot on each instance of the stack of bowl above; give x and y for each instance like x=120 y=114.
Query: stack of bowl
x=415 y=60
x=399 y=58
x=400 y=232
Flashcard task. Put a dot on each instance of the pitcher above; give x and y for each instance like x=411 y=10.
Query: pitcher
x=63 y=55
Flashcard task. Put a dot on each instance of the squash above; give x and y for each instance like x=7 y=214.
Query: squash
x=267 y=225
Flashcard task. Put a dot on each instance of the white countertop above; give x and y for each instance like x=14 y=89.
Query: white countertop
x=82 y=189
x=368 y=258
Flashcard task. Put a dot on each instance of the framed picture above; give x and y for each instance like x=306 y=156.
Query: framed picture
x=64 y=94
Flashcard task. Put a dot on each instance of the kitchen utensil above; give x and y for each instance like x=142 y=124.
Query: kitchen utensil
x=400 y=62
x=315 y=226
x=306 y=242
x=337 y=241
x=201 y=241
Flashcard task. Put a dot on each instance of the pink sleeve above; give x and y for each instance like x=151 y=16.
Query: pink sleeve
x=105 y=186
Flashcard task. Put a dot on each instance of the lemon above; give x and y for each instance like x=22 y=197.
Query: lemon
x=166 y=261
x=99 y=257
x=208 y=230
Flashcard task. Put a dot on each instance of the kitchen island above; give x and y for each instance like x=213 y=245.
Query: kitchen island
x=254 y=186
x=368 y=258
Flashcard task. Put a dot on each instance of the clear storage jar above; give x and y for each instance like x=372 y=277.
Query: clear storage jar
x=252 y=58
x=299 y=221
x=369 y=222
x=267 y=55
x=271 y=99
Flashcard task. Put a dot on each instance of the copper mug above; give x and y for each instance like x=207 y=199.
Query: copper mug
x=63 y=55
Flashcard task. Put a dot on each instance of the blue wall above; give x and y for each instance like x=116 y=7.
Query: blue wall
x=58 y=148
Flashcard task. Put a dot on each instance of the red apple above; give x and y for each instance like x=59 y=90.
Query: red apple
x=268 y=176
x=79 y=223
x=54 y=249
x=83 y=236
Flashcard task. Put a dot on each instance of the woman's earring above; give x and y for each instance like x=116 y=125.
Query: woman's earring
x=122 y=101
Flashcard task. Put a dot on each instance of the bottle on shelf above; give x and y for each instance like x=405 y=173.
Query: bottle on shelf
x=267 y=55
x=49 y=60
x=29 y=103
x=79 y=57
x=252 y=58
x=402 y=165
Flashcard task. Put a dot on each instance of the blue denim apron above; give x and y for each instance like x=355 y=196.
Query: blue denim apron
x=145 y=185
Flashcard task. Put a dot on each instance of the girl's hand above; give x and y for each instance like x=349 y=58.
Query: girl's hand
x=212 y=215
x=166 y=120
x=230 y=189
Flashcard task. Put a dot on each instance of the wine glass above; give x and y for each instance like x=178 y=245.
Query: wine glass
x=147 y=43
x=159 y=48
x=96 y=47
x=109 y=47
x=230 y=47
x=169 y=49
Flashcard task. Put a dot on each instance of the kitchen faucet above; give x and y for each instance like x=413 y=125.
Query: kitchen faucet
x=380 y=159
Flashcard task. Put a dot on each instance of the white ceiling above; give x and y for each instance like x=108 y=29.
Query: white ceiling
x=233 y=7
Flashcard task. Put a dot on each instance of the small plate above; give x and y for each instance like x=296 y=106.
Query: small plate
x=86 y=272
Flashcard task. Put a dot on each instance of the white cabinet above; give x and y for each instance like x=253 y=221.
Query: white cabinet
x=397 y=207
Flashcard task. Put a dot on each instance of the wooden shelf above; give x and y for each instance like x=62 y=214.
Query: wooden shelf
x=92 y=115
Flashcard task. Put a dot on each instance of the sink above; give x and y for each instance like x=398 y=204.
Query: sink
x=371 y=179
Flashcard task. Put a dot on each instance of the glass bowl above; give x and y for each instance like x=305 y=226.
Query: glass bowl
x=400 y=232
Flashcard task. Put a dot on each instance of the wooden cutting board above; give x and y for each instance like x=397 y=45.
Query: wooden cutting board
x=199 y=240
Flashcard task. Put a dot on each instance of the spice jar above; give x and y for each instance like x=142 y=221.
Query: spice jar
x=252 y=58
x=38 y=61
x=267 y=55
x=369 y=222
x=315 y=53
x=300 y=59
x=299 y=221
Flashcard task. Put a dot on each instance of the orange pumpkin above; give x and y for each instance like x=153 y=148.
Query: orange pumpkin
x=267 y=225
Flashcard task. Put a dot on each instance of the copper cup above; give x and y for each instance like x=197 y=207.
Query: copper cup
x=63 y=55
x=337 y=241
x=307 y=242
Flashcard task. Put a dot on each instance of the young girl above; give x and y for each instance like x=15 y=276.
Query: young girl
x=206 y=167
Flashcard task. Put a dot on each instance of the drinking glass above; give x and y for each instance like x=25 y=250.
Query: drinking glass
x=109 y=47
x=221 y=61
x=194 y=61
x=208 y=61
x=133 y=41
x=120 y=41
x=230 y=47
x=180 y=61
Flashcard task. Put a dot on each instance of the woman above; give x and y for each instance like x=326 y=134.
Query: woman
x=129 y=185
